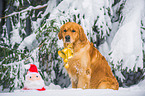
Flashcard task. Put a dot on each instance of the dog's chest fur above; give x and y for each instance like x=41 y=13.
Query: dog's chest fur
x=78 y=64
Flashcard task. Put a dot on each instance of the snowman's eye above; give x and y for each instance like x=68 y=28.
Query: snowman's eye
x=37 y=76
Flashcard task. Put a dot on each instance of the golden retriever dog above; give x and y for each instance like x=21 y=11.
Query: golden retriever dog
x=88 y=69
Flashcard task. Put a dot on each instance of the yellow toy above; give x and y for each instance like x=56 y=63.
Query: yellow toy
x=66 y=53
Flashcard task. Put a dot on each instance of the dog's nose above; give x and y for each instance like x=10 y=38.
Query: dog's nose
x=67 y=38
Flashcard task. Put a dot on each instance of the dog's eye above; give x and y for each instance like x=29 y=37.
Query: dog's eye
x=64 y=30
x=73 y=31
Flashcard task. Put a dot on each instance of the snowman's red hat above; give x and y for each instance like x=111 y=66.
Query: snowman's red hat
x=32 y=68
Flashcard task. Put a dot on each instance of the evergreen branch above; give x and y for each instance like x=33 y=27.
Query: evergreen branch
x=30 y=52
x=25 y=10
x=34 y=48
x=14 y=63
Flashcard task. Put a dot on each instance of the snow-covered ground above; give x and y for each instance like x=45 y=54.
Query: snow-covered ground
x=53 y=90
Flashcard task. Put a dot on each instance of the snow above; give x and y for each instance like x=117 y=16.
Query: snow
x=54 y=90
x=27 y=42
x=127 y=43
x=27 y=9
x=15 y=37
x=16 y=3
x=15 y=34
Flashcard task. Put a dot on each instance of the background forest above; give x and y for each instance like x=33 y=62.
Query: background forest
x=29 y=28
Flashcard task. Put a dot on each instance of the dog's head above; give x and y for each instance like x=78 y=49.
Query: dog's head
x=71 y=32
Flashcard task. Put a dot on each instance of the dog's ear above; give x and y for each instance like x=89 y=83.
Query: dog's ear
x=82 y=34
x=60 y=35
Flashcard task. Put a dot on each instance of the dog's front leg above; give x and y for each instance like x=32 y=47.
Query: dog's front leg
x=84 y=79
x=74 y=83
x=83 y=82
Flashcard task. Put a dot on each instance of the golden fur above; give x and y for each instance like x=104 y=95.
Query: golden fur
x=88 y=69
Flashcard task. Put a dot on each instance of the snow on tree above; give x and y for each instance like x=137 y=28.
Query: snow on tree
x=126 y=46
x=20 y=46
x=29 y=35
x=88 y=14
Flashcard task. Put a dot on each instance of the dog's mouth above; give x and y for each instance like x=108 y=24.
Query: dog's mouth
x=66 y=43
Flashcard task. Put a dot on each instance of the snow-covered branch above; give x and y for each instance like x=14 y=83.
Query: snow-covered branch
x=25 y=10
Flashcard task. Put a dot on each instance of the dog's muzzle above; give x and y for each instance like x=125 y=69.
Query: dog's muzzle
x=67 y=38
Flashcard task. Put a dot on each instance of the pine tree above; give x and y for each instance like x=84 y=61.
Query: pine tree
x=22 y=43
x=29 y=35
